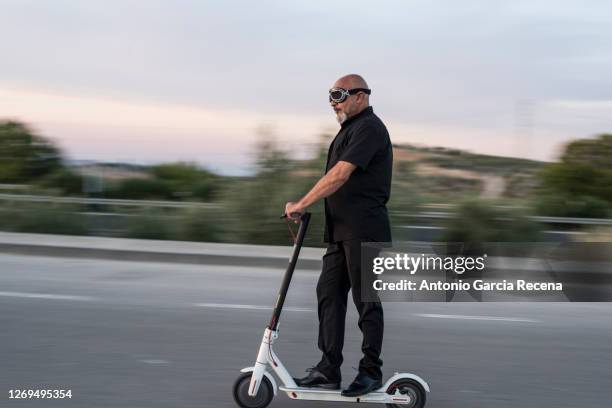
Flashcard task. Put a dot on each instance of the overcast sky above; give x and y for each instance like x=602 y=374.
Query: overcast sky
x=149 y=81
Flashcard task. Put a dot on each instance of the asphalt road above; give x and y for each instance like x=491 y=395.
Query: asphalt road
x=129 y=334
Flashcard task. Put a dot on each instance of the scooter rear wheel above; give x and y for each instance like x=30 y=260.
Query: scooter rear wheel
x=260 y=400
x=411 y=388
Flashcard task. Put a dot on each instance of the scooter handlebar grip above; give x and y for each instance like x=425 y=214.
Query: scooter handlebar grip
x=302 y=216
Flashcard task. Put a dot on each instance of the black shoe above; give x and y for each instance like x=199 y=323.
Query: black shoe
x=362 y=385
x=315 y=378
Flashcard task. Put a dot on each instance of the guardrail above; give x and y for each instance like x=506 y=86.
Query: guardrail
x=106 y=201
x=195 y=204
x=538 y=218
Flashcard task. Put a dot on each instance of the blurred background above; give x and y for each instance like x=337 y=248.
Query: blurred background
x=130 y=130
x=222 y=107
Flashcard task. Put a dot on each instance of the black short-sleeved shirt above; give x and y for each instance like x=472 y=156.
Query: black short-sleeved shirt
x=358 y=209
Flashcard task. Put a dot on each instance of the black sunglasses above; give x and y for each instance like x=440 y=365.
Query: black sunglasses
x=339 y=95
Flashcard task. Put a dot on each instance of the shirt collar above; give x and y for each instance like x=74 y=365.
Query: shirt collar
x=365 y=112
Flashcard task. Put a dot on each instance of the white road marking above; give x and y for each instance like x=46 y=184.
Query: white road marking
x=465 y=317
x=46 y=296
x=302 y=309
x=259 y=307
x=299 y=309
x=420 y=227
x=252 y=307
x=155 y=361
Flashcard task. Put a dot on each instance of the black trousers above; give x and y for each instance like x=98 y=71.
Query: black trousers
x=341 y=272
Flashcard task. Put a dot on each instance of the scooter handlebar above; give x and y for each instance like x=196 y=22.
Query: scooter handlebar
x=301 y=216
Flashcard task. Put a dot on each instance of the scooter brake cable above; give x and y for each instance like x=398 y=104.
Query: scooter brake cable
x=291 y=230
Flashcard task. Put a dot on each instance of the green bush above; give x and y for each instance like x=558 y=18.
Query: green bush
x=479 y=222
x=43 y=220
x=201 y=225
x=187 y=180
x=579 y=206
x=64 y=181
x=204 y=190
x=173 y=181
x=140 y=188
x=155 y=225
x=9 y=218
x=255 y=205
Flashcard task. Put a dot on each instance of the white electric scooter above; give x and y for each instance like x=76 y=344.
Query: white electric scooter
x=256 y=387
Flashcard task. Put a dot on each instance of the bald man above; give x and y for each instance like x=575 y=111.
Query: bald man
x=356 y=187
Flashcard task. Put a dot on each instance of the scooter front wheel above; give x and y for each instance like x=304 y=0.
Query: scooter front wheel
x=410 y=388
x=260 y=400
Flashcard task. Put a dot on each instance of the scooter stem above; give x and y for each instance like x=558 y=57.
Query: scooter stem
x=282 y=293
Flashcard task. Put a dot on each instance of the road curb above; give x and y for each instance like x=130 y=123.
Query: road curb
x=188 y=253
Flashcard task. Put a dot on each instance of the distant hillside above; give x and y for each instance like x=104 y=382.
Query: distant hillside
x=436 y=173
x=447 y=171
x=461 y=159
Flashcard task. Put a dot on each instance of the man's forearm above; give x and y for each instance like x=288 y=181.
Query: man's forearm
x=326 y=186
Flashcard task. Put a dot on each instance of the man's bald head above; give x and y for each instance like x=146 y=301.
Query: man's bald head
x=351 y=81
x=353 y=104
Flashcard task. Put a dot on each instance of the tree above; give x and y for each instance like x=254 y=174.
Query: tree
x=187 y=180
x=580 y=185
x=25 y=156
x=256 y=203
x=476 y=222
x=595 y=152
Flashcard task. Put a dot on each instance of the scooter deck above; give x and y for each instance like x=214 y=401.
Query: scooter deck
x=320 y=394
